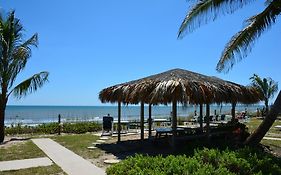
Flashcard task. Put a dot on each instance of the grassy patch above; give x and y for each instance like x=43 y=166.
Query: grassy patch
x=24 y=150
x=50 y=170
x=254 y=123
x=272 y=143
x=79 y=144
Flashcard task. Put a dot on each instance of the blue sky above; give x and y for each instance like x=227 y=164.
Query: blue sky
x=89 y=45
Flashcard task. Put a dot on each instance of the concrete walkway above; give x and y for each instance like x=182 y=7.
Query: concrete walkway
x=69 y=162
x=24 y=163
x=271 y=138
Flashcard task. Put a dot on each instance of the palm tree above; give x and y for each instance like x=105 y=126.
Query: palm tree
x=15 y=52
x=267 y=88
x=240 y=45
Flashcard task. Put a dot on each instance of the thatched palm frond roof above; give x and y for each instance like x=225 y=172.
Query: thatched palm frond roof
x=180 y=85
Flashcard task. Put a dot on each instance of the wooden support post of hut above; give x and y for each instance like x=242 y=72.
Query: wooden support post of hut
x=208 y=120
x=201 y=117
x=119 y=122
x=59 y=122
x=149 y=121
x=174 y=122
x=142 y=120
x=233 y=111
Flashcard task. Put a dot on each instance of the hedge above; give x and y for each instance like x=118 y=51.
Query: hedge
x=53 y=128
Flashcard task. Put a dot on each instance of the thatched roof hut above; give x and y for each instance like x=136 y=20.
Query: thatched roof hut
x=175 y=86
x=180 y=85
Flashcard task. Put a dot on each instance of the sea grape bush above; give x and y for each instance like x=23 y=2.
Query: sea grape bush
x=81 y=127
x=243 y=161
x=53 y=128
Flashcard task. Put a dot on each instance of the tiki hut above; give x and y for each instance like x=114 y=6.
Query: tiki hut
x=177 y=86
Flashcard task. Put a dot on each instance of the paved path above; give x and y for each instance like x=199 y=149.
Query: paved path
x=272 y=138
x=69 y=162
x=24 y=163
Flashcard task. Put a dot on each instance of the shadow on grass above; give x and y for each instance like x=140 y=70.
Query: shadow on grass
x=14 y=139
x=154 y=147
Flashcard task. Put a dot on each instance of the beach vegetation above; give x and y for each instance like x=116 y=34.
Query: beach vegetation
x=240 y=45
x=81 y=127
x=53 y=128
x=15 y=52
x=205 y=161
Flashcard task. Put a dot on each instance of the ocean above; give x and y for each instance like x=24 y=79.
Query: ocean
x=33 y=115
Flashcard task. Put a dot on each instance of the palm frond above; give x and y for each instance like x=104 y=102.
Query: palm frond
x=10 y=38
x=30 y=85
x=266 y=86
x=256 y=80
x=14 y=50
x=273 y=87
x=206 y=10
x=20 y=56
x=242 y=42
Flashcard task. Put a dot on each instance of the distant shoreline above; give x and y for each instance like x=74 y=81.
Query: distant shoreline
x=46 y=114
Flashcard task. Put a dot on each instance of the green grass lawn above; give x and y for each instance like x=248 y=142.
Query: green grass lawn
x=26 y=150
x=272 y=143
x=275 y=145
x=48 y=170
x=254 y=123
x=78 y=143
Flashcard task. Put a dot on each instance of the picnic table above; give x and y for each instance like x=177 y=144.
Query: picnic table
x=124 y=125
x=166 y=131
x=163 y=122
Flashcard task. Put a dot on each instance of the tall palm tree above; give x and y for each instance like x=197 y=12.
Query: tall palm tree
x=14 y=53
x=240 y=45
x=267 y=88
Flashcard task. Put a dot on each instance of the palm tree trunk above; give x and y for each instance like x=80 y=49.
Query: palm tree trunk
x=2 y=126
x=268 y=121
x=266 y=106
x=3 y=103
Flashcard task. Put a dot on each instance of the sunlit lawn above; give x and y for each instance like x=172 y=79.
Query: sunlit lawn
x=26 y=150
x=273 y=132
x=274 y=143
x=78 y=143
x=254 y=123
x=48 y=170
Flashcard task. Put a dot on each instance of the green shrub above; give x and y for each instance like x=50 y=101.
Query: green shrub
x=81 y=127
x=260 y=161
x=19 y=129
x=53 y=128
x=204 y=162
x=48 y=128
